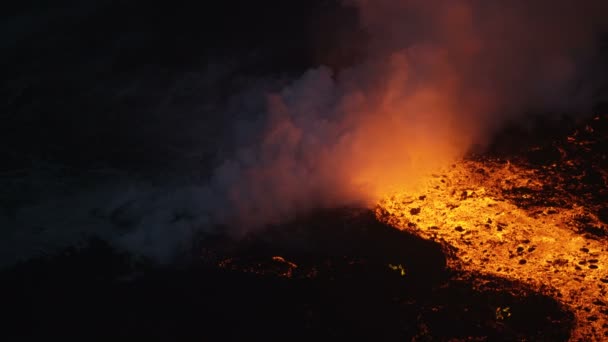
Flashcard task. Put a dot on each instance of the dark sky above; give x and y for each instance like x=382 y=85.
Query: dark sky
x=67 y=62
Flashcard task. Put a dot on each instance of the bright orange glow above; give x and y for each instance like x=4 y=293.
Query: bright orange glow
x=465 y=208
x=406 y=127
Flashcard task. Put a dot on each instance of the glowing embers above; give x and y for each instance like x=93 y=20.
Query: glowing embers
x=275 y=266
x=499 y=219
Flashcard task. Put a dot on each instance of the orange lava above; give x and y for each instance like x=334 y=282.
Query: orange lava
x=464 y=208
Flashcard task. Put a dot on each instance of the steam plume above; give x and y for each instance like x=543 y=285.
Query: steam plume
x=438 y=77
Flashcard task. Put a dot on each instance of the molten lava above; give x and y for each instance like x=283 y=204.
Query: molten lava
x=518 y=222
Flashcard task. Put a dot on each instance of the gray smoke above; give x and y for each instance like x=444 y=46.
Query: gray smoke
x=437 y=77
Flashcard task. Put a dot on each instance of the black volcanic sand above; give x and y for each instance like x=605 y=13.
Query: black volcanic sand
x=342 y=288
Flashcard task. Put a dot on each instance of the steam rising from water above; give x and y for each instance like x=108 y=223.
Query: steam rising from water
x=438 y=77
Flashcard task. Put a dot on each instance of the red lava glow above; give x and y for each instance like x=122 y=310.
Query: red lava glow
x=468 y=208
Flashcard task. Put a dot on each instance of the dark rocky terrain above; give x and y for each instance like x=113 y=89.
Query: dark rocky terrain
x=332 y=275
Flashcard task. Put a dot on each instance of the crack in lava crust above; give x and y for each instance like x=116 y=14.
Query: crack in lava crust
x=471 y=208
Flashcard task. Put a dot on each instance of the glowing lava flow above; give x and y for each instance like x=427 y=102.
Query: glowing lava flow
x=468 y=209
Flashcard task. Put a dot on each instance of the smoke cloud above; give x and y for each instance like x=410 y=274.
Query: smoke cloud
x=438 y=77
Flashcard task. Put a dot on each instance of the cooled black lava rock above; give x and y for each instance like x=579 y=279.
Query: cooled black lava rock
x=602 y=214
x=545 y=155
x=353 y=294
